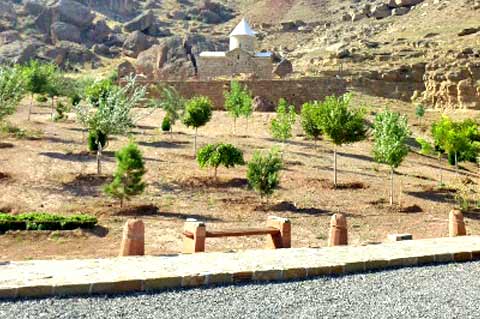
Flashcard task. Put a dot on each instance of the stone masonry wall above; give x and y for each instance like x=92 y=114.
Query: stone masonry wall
x=295 y=92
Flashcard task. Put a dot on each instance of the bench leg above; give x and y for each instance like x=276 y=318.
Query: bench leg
x=197 y=243
x=282 y=240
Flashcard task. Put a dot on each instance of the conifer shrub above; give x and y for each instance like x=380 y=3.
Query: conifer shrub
x=45 y=221
x=94 y=139
x=127 y=180
x=166 y=124
x=263 y=172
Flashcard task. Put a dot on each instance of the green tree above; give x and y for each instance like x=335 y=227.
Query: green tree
x=11 y=90
x=198 y=111
x=420 y=113
x=341 y=124
x=263 y=172
x=214 y=155
x=172 y=103
x=238 y=102
x=112 y=114
x=127 y=180
x=282 y=125
x=390 y=132
x=36 y=80
x=310 y=116
x=98 y=90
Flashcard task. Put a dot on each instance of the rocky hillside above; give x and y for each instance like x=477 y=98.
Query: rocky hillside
x=428 y=49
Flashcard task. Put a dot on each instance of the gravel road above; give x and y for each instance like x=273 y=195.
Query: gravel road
x=445 y=291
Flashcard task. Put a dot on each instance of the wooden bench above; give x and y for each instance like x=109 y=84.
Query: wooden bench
x=195 y=233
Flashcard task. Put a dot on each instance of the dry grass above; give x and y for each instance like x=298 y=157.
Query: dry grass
x=54 y=173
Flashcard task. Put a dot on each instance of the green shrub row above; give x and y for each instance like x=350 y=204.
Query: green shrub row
x=43 y=221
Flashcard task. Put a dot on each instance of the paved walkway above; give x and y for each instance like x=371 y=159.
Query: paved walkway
x=116 y=275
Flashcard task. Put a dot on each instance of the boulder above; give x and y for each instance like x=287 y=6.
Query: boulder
x=69 y=53
x=33 y=8
x=8 y=16
x=262 y=104
x=140 y=23
x=137 y=42
x=65 y=32
x=8 y=37
x=17 y=52
x=125 y=69
x=113 y=7
x=115 y=40
x=177 y=15
x=380 y=11
x=102 y=49
x=407 y=3
x=283 y=69
x=75 y=13
x=400 y=11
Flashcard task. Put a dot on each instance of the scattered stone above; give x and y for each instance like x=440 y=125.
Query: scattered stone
x=17 y=52
x=140 y=23
x=137 y=42
x=380 y=11
x=75 y=13
x=400 y=11
x=65 y=32
x=468 y=31
x=8 y=37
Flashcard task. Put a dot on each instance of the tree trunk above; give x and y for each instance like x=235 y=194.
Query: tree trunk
x=441 y=169
x=121 y=202
x=171 y=133
x=215 y=173
x=53 y=107
x=99 y=157
x=392 y=172
x=195 y=143
x=456 y=163
x=335 y=166
x=234 y=126
x=30 y=107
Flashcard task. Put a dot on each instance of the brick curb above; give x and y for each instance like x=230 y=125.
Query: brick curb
x=328 y=268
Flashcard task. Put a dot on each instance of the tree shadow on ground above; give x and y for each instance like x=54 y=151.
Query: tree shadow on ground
x=438 y=196
x=53 y=139
x=195 y=182
x=98 y=231
x=342 y=171
x=79 y=157
x=6 y=145
x=356 y=156
x=152 y=210
x=163 y=144
x=472 y=214
x=86 y=185
x=287 y=206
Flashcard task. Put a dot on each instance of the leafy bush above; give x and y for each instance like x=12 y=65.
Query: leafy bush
x=60 y=110
x=282 y=125
x=263 y=172
x=460 y=140
x=166 y=124
x=37 y=79
x=198 y=111
x=127 y=180
x=310 y=120
x=41 y=99
x=426 y=147
x=11 y=89
x=214 y=155
x=94 y=138
x=44 y=221
x=98 y=90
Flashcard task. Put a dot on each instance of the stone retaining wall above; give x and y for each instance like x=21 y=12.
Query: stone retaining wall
x=295 y=91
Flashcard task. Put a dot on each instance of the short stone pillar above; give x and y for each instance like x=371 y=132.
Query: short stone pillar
x=194 y=235
x=133 y=241
x=284 y=238
x=456 y=225
x=338 y=231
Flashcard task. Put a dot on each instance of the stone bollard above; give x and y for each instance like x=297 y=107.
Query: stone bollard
x=133 y=241
x=456 y=225
x=284 y=239
x=338 y=231
x=195 y=233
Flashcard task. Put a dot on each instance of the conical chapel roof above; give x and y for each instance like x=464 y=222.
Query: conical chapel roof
x=243 y=28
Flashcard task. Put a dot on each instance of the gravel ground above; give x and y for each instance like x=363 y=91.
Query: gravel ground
x=446 y=291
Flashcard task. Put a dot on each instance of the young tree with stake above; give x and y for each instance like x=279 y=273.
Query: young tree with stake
x=282 y=125
x=173 y=104
x=238 y=102
x=390 y=132
x=310 y=120
x=36 y=77
x=341 y=124
x=198 y=111
x=263 y=172
x=11 y=90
